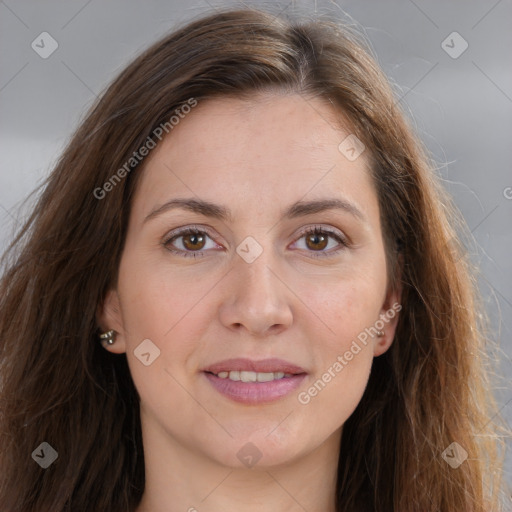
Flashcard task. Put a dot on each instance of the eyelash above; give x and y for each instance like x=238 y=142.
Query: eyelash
x=316 y=230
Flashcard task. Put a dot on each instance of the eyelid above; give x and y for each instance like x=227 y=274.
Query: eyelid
x=335 y=233
x=189 y=227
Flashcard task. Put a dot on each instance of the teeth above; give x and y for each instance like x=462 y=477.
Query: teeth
x=252 y=376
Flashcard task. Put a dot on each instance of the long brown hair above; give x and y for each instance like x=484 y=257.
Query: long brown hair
x=58 y=385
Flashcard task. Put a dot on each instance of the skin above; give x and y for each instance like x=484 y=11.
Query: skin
x=255 y=157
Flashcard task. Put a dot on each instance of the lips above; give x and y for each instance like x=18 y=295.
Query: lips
x=248 y=365
x=254 y=382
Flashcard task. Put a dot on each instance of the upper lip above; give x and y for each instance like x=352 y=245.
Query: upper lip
x=264 y=366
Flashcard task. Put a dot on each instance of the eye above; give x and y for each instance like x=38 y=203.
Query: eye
x=189 y=242
x=193 y=242
x=318 y=239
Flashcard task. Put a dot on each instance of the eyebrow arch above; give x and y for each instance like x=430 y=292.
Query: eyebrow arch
x=298 y=209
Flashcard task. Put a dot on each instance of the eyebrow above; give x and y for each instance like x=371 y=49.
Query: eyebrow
x=297 y=209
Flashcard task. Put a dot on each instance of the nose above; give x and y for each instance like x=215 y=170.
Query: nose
x=257 y=301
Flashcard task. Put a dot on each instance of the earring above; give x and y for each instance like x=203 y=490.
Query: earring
x=380 y=334
x=109 y=337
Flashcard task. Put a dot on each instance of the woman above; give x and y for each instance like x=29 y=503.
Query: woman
x=240 y=289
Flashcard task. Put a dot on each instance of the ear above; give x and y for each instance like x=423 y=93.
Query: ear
x=390 y=312
x=108 y=316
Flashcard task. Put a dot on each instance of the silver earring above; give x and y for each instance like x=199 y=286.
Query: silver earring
x=380 y=334
x=109 y=337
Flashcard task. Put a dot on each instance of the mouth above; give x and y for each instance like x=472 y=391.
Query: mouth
x=254 y=382
x=245 y=376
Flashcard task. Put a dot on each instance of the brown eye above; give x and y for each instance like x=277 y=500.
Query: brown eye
x=190 y=242
x=194 y=241
x=317 y=241
x=322 y=242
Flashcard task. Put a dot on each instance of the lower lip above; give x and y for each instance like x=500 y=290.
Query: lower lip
x=255 y=392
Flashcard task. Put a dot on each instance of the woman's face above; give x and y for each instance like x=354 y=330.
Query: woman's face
x=254 y=289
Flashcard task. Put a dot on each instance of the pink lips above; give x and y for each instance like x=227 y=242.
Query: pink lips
x=255 y=392
x=266 y=365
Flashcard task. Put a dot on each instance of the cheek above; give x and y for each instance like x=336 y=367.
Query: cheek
x=171 y=310
x=156 y=301
x=344 y=350
x=333 y=393
x=167 y=310
x=345 y=305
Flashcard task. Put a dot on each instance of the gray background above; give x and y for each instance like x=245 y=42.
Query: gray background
x=461 y=106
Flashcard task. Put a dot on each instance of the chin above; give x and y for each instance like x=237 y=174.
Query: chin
x=260 y=449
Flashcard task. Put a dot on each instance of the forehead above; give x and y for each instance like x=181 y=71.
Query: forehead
x=272 y=148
